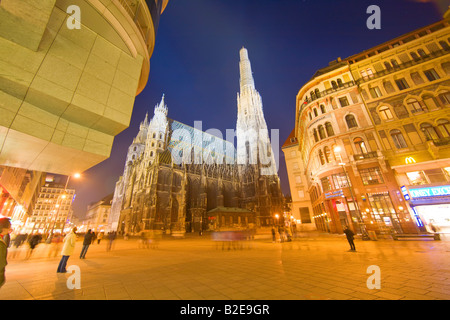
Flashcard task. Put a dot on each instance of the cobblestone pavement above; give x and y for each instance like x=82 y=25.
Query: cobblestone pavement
x=312 y=267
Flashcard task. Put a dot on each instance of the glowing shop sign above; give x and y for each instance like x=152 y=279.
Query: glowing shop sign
x=430 y=192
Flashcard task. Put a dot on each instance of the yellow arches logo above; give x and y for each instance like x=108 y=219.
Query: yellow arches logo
x=409 y=160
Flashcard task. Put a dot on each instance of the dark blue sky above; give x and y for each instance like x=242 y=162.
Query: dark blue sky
x=196 y=63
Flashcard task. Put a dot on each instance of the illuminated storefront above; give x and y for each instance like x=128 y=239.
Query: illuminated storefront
x=430 y=206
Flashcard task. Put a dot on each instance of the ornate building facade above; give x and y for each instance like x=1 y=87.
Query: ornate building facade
x=373 y=136
x=176 y=176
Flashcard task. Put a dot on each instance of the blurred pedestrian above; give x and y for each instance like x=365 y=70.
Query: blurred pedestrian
x=86 y=243
x=67 y=250
x=5 y=229
x=350 y=236
x=111 y=237
x=99 y=237
x=55 y=245
x=33 y=242
x=274 y=237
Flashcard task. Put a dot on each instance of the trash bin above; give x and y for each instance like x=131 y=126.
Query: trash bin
x=372 y=235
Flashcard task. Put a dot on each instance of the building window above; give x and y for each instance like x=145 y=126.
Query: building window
x=339 y=82
x=371 y=176
x=381 y=204
x=429 y=131
x=394 y=63
x=445 y=97
x=344 y=102
x=422 y=53
x=431 y=75
x=369 y=73
x=375 y=92
x=315 y=112
x=321 y=157
x=360 y=146
x=385 y=113
x=351 y=121
x=316 y=137
x=334 y=85
x=340 y=180
x=327 y=153
x=444 y=127
x=414 y=105
x=317 y=93
x=322 y=108
x=399 y=140
x=435 y=175
x=387 y=65
x=329 y=129
x=444 y=45
x=414 y=56
x=402 y=84
x=325 y=184
x=321 y=132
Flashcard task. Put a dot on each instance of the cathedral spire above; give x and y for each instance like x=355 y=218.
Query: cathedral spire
x=245 y=70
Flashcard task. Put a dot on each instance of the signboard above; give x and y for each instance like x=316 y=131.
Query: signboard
x=334 y=194
x=405 y=193
x=430 y=192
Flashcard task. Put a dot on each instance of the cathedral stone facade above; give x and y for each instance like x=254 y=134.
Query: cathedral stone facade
x=176 y=176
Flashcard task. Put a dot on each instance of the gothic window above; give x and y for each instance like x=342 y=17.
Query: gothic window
x=160 y=136
x=360 y=145
x=385 y=113
x=351 y=121
x=154 y=135
x=429 y=131
x=153 y=144
x=444 y=127
x=151 y=153
x=399 y=140
x=329 y=129
x=321 y=132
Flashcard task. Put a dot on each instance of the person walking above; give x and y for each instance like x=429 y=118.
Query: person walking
x=5 y=229
x=86 y=243
x=33 y=242
x=274 y=238
x=99 y=237
x=68 y=247
x=350 y=236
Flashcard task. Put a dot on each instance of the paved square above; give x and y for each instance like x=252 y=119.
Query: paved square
x=312 y=267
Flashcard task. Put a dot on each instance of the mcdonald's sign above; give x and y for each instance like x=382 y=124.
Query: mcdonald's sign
x=409 y=160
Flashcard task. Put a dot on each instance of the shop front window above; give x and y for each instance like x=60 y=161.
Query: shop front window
x=416 y=178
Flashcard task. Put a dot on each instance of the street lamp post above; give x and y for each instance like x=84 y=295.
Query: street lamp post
x=58 y=205
x=364 y=234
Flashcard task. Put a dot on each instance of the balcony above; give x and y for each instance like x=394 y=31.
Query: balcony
x=368 y=155
x=403 y=66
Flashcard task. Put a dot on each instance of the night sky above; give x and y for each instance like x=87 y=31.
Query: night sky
x=196 y=63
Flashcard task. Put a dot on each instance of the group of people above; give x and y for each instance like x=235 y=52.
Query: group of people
x=285 y=234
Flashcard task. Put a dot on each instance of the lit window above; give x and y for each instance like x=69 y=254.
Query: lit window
x=375 y=92
x=385 y=113
x=360 y=146
x=429 y=131
x=444 y=127
x=371 y=176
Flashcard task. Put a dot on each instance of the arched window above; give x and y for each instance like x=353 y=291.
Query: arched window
x=444 y=127
x=160 y=135
x=310 y=116
x=321 y=158
x=399 y=140
x=360 y=145
x=329 y=129
x=327 y=153
x=339 y=82
x=334 y=85
x=414 y=105
x=351 y=121
x=315 y=112
x=429 y=131
x=317 y=93
x=385 y=113
x=322 y=108
x=321 y=132
x=151 y=153
x=154 y=135
x=316 y=137
x=313 y=96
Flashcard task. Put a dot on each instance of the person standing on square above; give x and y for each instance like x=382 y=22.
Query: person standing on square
x=68 y=247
